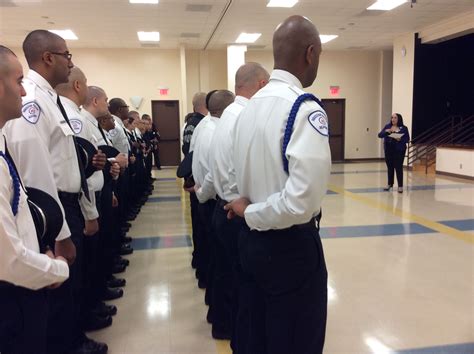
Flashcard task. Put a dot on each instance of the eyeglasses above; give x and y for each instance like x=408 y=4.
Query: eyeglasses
x=123 y=106
x=66 y=55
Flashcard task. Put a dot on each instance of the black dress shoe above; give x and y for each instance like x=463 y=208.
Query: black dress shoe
x=116 y=283
x=112 y=294
x=120 y=260
x=118 y=268
x=125 y=249
x=89 y=346
x=220 y=334
x=94 y=322
x=126 y=239
x=103 y=310
x=127 y=224
x=124 y=229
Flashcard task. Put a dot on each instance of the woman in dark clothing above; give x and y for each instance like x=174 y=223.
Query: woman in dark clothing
x=395 y=147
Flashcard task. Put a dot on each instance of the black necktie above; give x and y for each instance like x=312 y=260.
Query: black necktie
x=85 y=188
x=103 y=134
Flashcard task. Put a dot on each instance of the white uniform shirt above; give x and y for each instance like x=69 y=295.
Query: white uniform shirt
x=221 y=178
x=119 y=137
x=196 y=131
x=202 y=147
x=280 y=200
x=85 y=129
x=41 y=143
x=20 y=261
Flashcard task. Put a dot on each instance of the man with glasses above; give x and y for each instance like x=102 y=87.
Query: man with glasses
x=42 y=145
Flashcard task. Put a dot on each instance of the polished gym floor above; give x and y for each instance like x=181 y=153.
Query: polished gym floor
x=401 y=269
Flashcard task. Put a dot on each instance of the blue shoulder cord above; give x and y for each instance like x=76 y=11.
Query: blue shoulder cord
x=291 y=122
x=16 y=184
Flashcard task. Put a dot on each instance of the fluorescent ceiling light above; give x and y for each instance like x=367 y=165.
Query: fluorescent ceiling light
x=282 y=3
x=65 y=34
x=327 y=37
x=248 y=37
x=386 y=5
x=144 y=1
x=149 y=36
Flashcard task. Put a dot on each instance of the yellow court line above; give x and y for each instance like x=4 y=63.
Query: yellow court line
x=223 y=347
x=460 y=235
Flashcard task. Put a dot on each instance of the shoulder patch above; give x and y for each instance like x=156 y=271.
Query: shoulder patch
x=31 y=111
x=76 y=125
x=319 y=121
x=113 y=133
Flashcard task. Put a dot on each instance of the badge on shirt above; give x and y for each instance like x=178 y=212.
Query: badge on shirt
x=76 y=125
x=31 y=111
x=113 y=133
x=319 y=121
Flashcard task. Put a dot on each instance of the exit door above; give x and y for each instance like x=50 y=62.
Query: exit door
x=336 y=111
x=166 y=119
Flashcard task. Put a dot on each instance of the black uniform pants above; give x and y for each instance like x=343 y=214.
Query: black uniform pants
x=394 y=160
x=110 y=237
x=198 y=231
x=206 y=212
x=23 y=320
x=64 y=332
x=226 y=259
x=286 y=291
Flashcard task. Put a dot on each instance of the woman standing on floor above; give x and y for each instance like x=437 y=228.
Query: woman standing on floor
x=396 y=137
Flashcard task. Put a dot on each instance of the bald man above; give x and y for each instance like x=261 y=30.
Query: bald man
x=24 y=271
x=282 y=162
x=218 y=102
x=220 y=180
x=42 y=143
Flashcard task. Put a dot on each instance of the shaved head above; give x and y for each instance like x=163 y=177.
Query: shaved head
x=199 y=103
x=219 y=101
x=250 y=78
x=38 y=42
x=5 y=54
x=296 y=48
x=11 y=88
x=76 y=88
x=94 y=92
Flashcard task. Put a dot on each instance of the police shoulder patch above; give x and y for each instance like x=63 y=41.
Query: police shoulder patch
x=319 y=121
x=113 y=133
x=31 y=111
x=76 y=125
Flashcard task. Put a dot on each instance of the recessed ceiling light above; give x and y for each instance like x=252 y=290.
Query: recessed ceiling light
x=386 y=5
x=282 y=3
x=248 y=37
x=149 y=36
x=327 y=37
x=144 y=1
x=65 y=34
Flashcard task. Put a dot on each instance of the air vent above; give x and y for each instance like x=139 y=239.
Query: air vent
x=149 y=45
x=7 y=3
x=370 y=13
x=256 y=47
x=198 y=7
x=190 y=35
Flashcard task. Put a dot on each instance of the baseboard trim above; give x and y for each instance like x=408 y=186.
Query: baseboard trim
x=370 y=159
x=455 y=175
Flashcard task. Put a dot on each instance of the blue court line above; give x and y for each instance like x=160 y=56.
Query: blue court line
x=164 y=199
x=414 y=188
x=462 y=225
x=373 y=230
x=356 y=172
x=166 y=179
x=159 y=242
x=464 y=348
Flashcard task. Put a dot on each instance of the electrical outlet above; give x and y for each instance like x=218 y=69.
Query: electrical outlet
x=357 y=149
x=460 y=166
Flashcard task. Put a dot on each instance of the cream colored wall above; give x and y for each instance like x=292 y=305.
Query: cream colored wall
x=403 y=71
x=359 y=75
x=456 y=161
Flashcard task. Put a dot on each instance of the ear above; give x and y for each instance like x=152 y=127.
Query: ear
x=47 y=58
x=309 y=53
x=77 y=85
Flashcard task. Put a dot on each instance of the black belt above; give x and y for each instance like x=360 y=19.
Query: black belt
x=313 y=223
x=221 y=202
x=69 y=196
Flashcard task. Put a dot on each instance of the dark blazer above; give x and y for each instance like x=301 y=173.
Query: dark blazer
x=392 y=144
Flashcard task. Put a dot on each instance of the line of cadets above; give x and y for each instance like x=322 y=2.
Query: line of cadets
x=57 y=108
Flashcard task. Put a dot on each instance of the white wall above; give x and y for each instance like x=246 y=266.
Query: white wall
x=456 y=161
x=363 y=80
x=403 y=71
